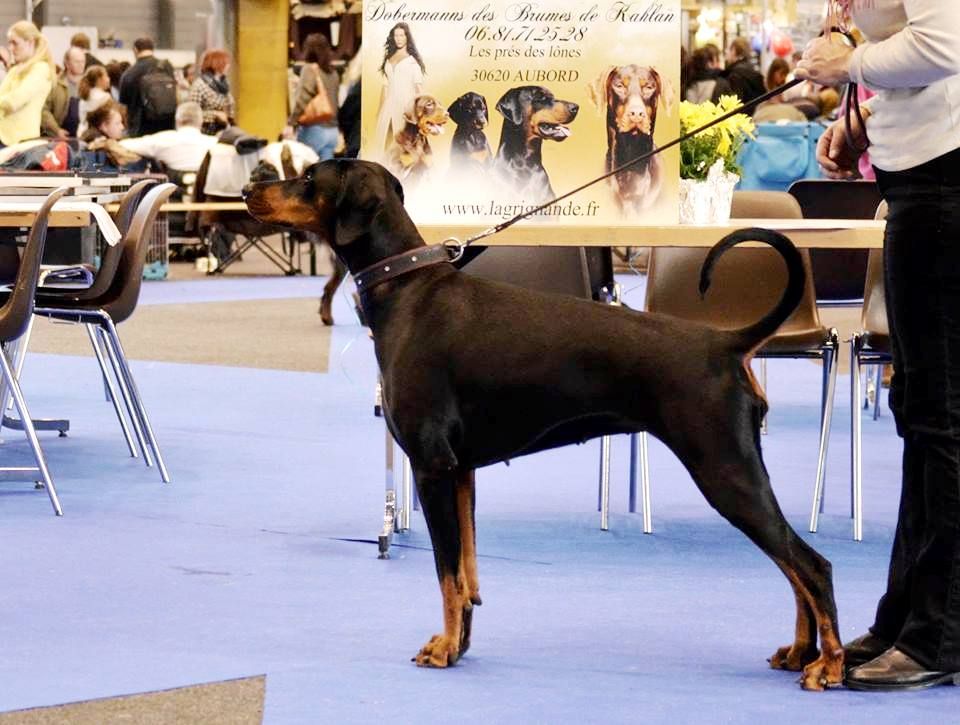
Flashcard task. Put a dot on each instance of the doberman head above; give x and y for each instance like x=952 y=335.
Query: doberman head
x=470 y=114
x=531 y=114
x=630 y=96
x=355 y=206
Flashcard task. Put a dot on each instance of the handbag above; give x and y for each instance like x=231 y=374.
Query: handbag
x=780 y=154
x=319 y=109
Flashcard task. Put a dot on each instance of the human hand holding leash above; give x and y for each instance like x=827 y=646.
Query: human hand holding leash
x=825 y=62
x=836 y=156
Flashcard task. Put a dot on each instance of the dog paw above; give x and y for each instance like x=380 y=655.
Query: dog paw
x=793 y=658
x=822 y=673
x=326 y=314
x=438 y=652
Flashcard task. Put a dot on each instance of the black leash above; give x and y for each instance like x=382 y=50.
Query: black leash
x=457 y=247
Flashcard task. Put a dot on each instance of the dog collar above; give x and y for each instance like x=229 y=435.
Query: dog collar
x=398 y=264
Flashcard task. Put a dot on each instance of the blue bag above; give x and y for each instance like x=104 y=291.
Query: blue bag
x=781 y=154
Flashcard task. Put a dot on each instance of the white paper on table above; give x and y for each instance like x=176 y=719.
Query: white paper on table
x=109 y=230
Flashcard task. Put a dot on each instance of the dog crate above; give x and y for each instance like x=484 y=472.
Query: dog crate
x=157 y=264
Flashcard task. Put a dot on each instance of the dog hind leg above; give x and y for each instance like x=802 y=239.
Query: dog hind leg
x=439 y=501
x=466 y=507
x=330 y=289
x=730 y=473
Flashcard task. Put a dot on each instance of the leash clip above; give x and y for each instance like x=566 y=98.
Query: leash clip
x=454 y=248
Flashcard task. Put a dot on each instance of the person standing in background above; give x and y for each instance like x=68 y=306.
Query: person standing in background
x=94 y=92
x=317 y=75
x=61 y=112
x=745 y=80
x=26 y=85
x=211 y=91
x=149 y=91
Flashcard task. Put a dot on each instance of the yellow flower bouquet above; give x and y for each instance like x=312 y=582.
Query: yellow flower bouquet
x=708 y=161
x=721 y=142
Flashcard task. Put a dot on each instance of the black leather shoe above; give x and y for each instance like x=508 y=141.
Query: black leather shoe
x=863 y=649
x=896 y=670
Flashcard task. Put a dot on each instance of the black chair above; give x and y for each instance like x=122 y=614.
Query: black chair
x=116 y=303
x=15 y=317
x=102 y=279
x=838 y=274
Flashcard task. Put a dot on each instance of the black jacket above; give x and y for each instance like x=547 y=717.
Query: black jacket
x=130 y=97
x=745 y=81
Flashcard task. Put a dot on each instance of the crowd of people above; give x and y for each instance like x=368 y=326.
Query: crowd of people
x=708 y=73
x=145 y=115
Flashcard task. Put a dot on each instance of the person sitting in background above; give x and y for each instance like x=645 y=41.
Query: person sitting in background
x=105 y=127
x=182 y=149
x=94 y=91
x=745 y=80
x=61 y=111
x=777 y=108
x=706 y=82
x=26 y=85
x=82 y=41
x=211 y=90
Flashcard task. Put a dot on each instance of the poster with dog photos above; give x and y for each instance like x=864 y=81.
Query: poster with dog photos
x=487 y=108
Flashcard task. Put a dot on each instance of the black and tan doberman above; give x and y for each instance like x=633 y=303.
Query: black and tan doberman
x=469 y=146
x=629 y=96
x=531 y=115
x=476 y=372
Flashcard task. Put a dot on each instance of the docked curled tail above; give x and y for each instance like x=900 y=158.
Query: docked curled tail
x=753 y=335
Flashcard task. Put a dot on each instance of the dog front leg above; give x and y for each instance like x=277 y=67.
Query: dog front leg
x=439 y=501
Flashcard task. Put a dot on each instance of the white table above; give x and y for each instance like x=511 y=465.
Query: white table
x=15 y=213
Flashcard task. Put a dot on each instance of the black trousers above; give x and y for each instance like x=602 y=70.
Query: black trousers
x=920 y=611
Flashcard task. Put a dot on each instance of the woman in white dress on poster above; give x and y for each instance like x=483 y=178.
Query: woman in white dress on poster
x=403 y=69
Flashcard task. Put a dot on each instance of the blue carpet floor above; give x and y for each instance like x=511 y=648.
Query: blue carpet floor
x=256 y=559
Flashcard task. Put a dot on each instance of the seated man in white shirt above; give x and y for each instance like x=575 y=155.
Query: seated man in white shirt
x=182 y=149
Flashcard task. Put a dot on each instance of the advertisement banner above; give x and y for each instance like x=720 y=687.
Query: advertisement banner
x=486 y=108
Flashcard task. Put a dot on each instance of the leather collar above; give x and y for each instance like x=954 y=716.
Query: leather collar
x=398 y=264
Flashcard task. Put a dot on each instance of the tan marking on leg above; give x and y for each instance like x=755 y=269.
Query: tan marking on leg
x=827 y=669
x=443 y=649
x=468 y=554
x=803 y=651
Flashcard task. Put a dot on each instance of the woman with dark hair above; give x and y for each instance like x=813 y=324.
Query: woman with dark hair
x=94 y=92
x=316 y=76
x=211 y=91
x=404 y=70
x=706 y=83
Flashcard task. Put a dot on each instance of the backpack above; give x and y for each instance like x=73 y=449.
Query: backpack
x=158 y=93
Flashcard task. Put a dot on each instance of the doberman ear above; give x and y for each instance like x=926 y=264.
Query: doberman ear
x=352 y=217
x=509 y=106
x=597 y=89
x=456 y=109
x=665 y=88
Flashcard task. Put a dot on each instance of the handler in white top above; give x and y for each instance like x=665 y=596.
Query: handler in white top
x=182 y=149
x=912 y=60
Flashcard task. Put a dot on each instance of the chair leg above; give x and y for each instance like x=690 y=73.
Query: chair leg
x=639 y=460
x=856 y=471
x=21 y=405
x=829 y=360
x=108 y=386
x=604 y=493
x=127 y=397
x=877 y=386
x=141 y=411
